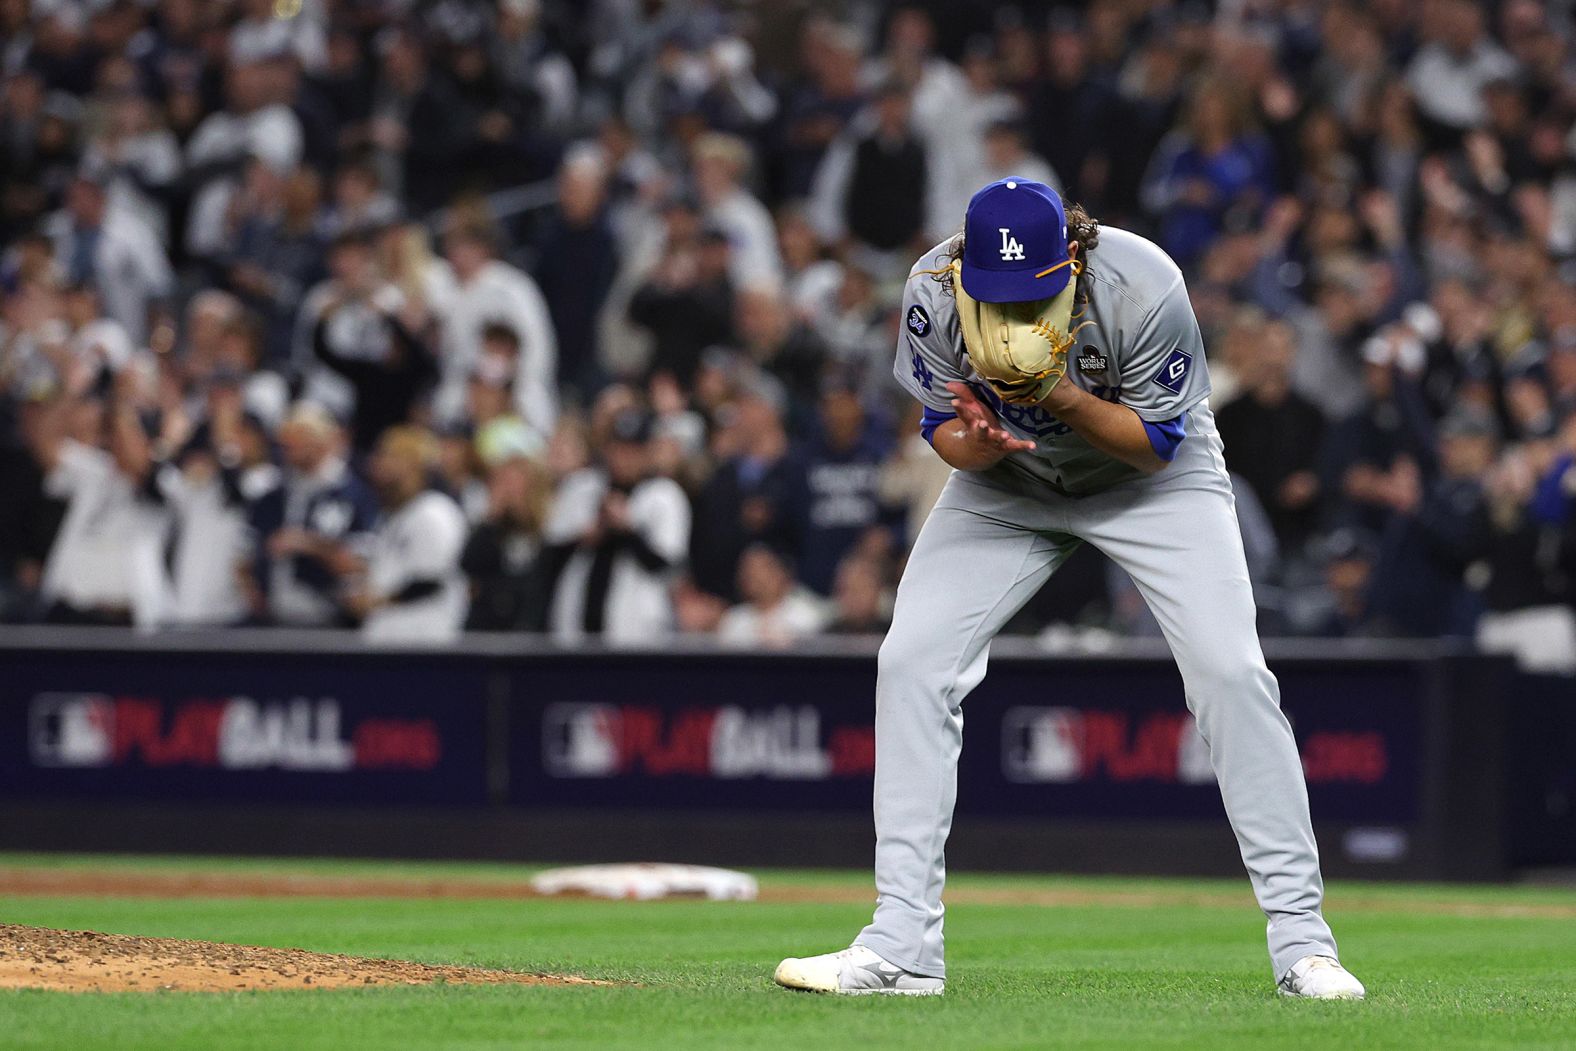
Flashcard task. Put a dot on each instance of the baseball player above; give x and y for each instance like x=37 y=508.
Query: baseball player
x=1062 y=374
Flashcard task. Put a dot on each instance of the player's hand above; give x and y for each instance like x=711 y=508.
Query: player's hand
x=983 y=428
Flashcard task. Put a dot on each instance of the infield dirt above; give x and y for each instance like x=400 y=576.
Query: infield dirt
x=88 y=961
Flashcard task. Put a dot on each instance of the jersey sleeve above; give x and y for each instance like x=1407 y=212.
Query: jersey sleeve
x=660 y=513
x=1164 y=373
x=441 y=536
x=77 y=467
x=928 y=345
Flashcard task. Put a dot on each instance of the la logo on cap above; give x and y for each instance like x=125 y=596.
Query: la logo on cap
x=1010 y=248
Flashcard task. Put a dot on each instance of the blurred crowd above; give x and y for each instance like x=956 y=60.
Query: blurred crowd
x=578 y=316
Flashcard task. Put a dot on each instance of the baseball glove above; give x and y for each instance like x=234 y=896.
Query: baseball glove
x=1020 y=349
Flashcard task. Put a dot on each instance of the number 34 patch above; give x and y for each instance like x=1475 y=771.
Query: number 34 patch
x=1174 y=372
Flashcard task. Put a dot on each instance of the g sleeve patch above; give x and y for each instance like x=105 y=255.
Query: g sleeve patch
x=917 y=320
x=1173 y=371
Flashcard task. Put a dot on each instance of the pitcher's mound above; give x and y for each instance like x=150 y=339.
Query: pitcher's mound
x=86 y=961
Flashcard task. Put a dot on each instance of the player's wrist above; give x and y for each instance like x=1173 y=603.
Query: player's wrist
x=1064 y=400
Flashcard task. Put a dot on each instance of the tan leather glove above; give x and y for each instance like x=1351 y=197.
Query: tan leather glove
x=1020 y=349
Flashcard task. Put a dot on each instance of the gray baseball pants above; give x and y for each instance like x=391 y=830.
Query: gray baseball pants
x=986 y=548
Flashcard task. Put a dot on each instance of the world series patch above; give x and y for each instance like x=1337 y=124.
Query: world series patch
x=1091 y=360
x=918 y=320
x=1173 y=373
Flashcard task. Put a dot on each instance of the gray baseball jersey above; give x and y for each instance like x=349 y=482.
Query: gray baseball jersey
x=995 y=537
x=1141 y=347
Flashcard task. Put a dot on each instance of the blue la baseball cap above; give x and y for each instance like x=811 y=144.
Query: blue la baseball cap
x=1015 y=243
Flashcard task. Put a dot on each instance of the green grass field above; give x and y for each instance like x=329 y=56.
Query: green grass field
x=1445 y=966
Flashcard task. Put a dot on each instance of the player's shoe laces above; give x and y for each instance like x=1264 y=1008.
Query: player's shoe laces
x=1321 y=978
x=855 y=971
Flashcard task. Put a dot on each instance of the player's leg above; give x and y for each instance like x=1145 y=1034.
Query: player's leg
x=1182 y=546
x=976 y=562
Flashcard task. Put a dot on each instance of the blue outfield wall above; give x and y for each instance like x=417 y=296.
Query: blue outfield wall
x=1405 y=747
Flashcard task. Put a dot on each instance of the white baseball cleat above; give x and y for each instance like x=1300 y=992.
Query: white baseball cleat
x=855 y=971
x=1321 y=978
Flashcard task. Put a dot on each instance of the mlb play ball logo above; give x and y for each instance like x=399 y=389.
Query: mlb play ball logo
x=71 y=729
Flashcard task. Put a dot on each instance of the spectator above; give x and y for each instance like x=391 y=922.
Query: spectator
x=1377 y=457
x=914 y=475
x=819 y=107
x=114 y=254
x=1527 y=597
x=1450 y=71
x=360 y=204
x=39 y=156
x=386 y=387
x=696 y=612
x=577 y=257
x=938 y=94
x=687 y=301
x=873 y=186
x=259 y=487
x=1005 y=152
x=775 y=612
x=261 y=33
x=503 y=557
x=843 y=468
x=99 y=345
x=1272 y=436
x=1214 y=173
x=1072 y=109
x=1340 y=608
x=720 y=163
x=211 y=486
x=1331 y=337
x=479 y=290
x=322 y=534
x=106 y=564
x=413 y=591
x=758 y=494
x=412 y=131
x=255 y=123
x=495 y=146
x=490 y=392
x=353 y=330
x=138 y=156
x=269 y=250
x=1150 y=95
x=29 y=518
x=856 y=326
x=621 y=533
x=859 y=599
x=812 y=279
x=529 y=65
x=459 y=470
x=789 y=351
x=1419 y=582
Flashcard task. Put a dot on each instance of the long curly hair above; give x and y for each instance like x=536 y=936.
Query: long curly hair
x=1081 y=227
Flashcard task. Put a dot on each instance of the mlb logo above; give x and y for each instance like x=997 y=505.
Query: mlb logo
x=581 y=740
x=1173 y=373
x=71 y=730
x=1042 y=745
